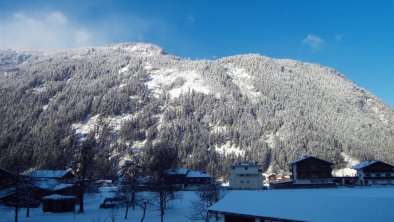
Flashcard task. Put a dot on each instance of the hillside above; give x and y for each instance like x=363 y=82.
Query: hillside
x=214 y=112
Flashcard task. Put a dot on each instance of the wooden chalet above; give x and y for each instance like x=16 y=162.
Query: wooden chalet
x=183 y=178
x=374 y=172
x=311 y=170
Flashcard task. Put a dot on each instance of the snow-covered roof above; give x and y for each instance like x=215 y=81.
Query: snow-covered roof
x=58 y=197
x=51 y=184
x=347 y=204
x=364 y=164
x=242 y=164
x=6 y=171
x=307 y=157
x=49 y=173
x=7 y=192
x=197 y=174
x=176 y=171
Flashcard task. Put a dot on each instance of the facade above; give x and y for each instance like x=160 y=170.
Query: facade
x=7 y=179
x=311 y=170
x=196 y=178
x=374 y=172
x=58 y=203
x=246 y=176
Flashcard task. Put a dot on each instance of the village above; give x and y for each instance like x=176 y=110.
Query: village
x=56 y=191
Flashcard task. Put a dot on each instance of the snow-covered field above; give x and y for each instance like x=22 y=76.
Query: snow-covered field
x=179 y=212
x=343 y=204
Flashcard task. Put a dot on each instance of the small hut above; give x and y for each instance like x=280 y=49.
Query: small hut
x=58 y=203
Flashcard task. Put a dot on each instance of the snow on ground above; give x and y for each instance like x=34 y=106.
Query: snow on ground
x=347 y=171
x=86 y=126
x=227 y=149
x=244 y=81
x=124 y=69
x=270 y=139
x=114 y=122
x=181 y=209
x=179 y=81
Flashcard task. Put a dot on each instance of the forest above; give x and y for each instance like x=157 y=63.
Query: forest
x=238 y=108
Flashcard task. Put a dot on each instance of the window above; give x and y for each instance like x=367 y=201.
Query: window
x=246 y=168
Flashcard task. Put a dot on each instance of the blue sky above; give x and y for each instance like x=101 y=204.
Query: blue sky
x=354 y=37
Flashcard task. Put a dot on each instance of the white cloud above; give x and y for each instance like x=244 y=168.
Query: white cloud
x=314 y=42
x=57 y=18
x=47 y=31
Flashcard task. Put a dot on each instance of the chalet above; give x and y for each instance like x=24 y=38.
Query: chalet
x=374 y=172
x=311 y=170
x=246 y=176
x=50 y=182
x=305 y=205
x=271 y=177
x=195 y=179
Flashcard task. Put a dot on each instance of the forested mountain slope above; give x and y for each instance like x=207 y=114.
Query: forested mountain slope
x=213 y=112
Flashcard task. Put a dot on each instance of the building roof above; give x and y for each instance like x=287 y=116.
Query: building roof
x=364 y=164
x=58 y=197
x=345 y=204
x=6 y=192
x=198 y=174
x=176 y=171
x=242 y=164
x=49 y=173
x=6 y=171
x=307 y=157
x=51 y=185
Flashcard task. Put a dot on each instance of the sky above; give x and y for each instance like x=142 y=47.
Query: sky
x=354 y=37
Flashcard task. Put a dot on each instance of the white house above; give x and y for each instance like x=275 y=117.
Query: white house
x=246 y=176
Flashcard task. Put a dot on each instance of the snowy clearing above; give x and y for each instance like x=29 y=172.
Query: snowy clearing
x=227 y=149
x=347 y=171
x=244 y=81
x=179 y=82
x=179 y=212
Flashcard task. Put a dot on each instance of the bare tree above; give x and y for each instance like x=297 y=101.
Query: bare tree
x=207 y=196
x=82 y=165
x=162 y=157
x=131 y=169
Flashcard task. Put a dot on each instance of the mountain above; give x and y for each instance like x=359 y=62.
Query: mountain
x=214 y=112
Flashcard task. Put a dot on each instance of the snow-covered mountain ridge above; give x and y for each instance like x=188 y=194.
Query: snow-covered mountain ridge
x=214 y=112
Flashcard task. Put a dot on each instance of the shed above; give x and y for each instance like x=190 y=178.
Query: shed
x=58 y=203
